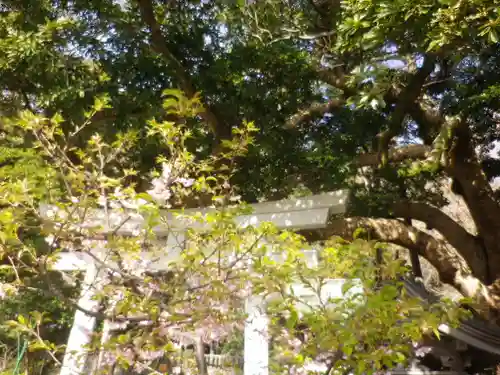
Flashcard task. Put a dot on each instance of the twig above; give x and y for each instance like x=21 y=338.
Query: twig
x=14 y=268
x=39 y=338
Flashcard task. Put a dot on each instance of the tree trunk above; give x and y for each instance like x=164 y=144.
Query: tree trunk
x=477 y=193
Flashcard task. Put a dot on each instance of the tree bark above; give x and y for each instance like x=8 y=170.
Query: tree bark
x=468 y=245
x=315 y=110
x=476 y=190
x=396 y=154
x=452 y=268
x=406 y=99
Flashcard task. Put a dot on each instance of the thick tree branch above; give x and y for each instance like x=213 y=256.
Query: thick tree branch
x=316 y=109
x=465 y=243
x=159 y=45
x=414 y=258
x=460 y=162
x=396 y=154
x=335 y=77
x=406 y=99
x=452 y=267
x=437 y=252
x=429 y=121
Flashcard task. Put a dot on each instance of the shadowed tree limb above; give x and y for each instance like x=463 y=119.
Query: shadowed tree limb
x=335 y=77
x=452 y=268
x=460 y=162
x=158 y=42
x=403 y=98
x=315 y=110
x=414 y=258
x=467 y=244
x=428 y=120
x=406 y=99
x=395 y=154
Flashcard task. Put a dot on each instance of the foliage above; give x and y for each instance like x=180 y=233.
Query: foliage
x=204 y=289
x=316 y=86
x=251 y=62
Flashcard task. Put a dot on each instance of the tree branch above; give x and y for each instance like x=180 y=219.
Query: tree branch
x=406 y=99
x=429 y=122
x=335 y=77
x=451 y=266
x=465 y=243
x=395 y=231
x=460 y=162
x=411 y=92
x=159 y=45
x=396 y=154
x=316 y=109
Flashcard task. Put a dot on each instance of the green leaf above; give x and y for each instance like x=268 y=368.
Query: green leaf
x=347 y=349
x=493 y=36
x=57 y=119
x=400 y=357
x=21 y=319
x=37 y=345
x=347 y=286
x=434 y=44
x=437 y=333
x=37 y=316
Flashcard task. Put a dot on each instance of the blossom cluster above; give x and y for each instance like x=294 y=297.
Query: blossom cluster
x=161 y=191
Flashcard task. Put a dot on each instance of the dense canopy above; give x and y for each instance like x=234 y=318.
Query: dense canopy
x=392 y=98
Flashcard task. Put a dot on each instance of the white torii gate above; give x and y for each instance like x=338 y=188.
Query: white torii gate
x=305 y=213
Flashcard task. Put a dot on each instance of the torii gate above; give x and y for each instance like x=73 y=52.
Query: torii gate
x=308 y=213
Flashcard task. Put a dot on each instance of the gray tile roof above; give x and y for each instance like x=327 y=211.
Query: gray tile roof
x=475 y=332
